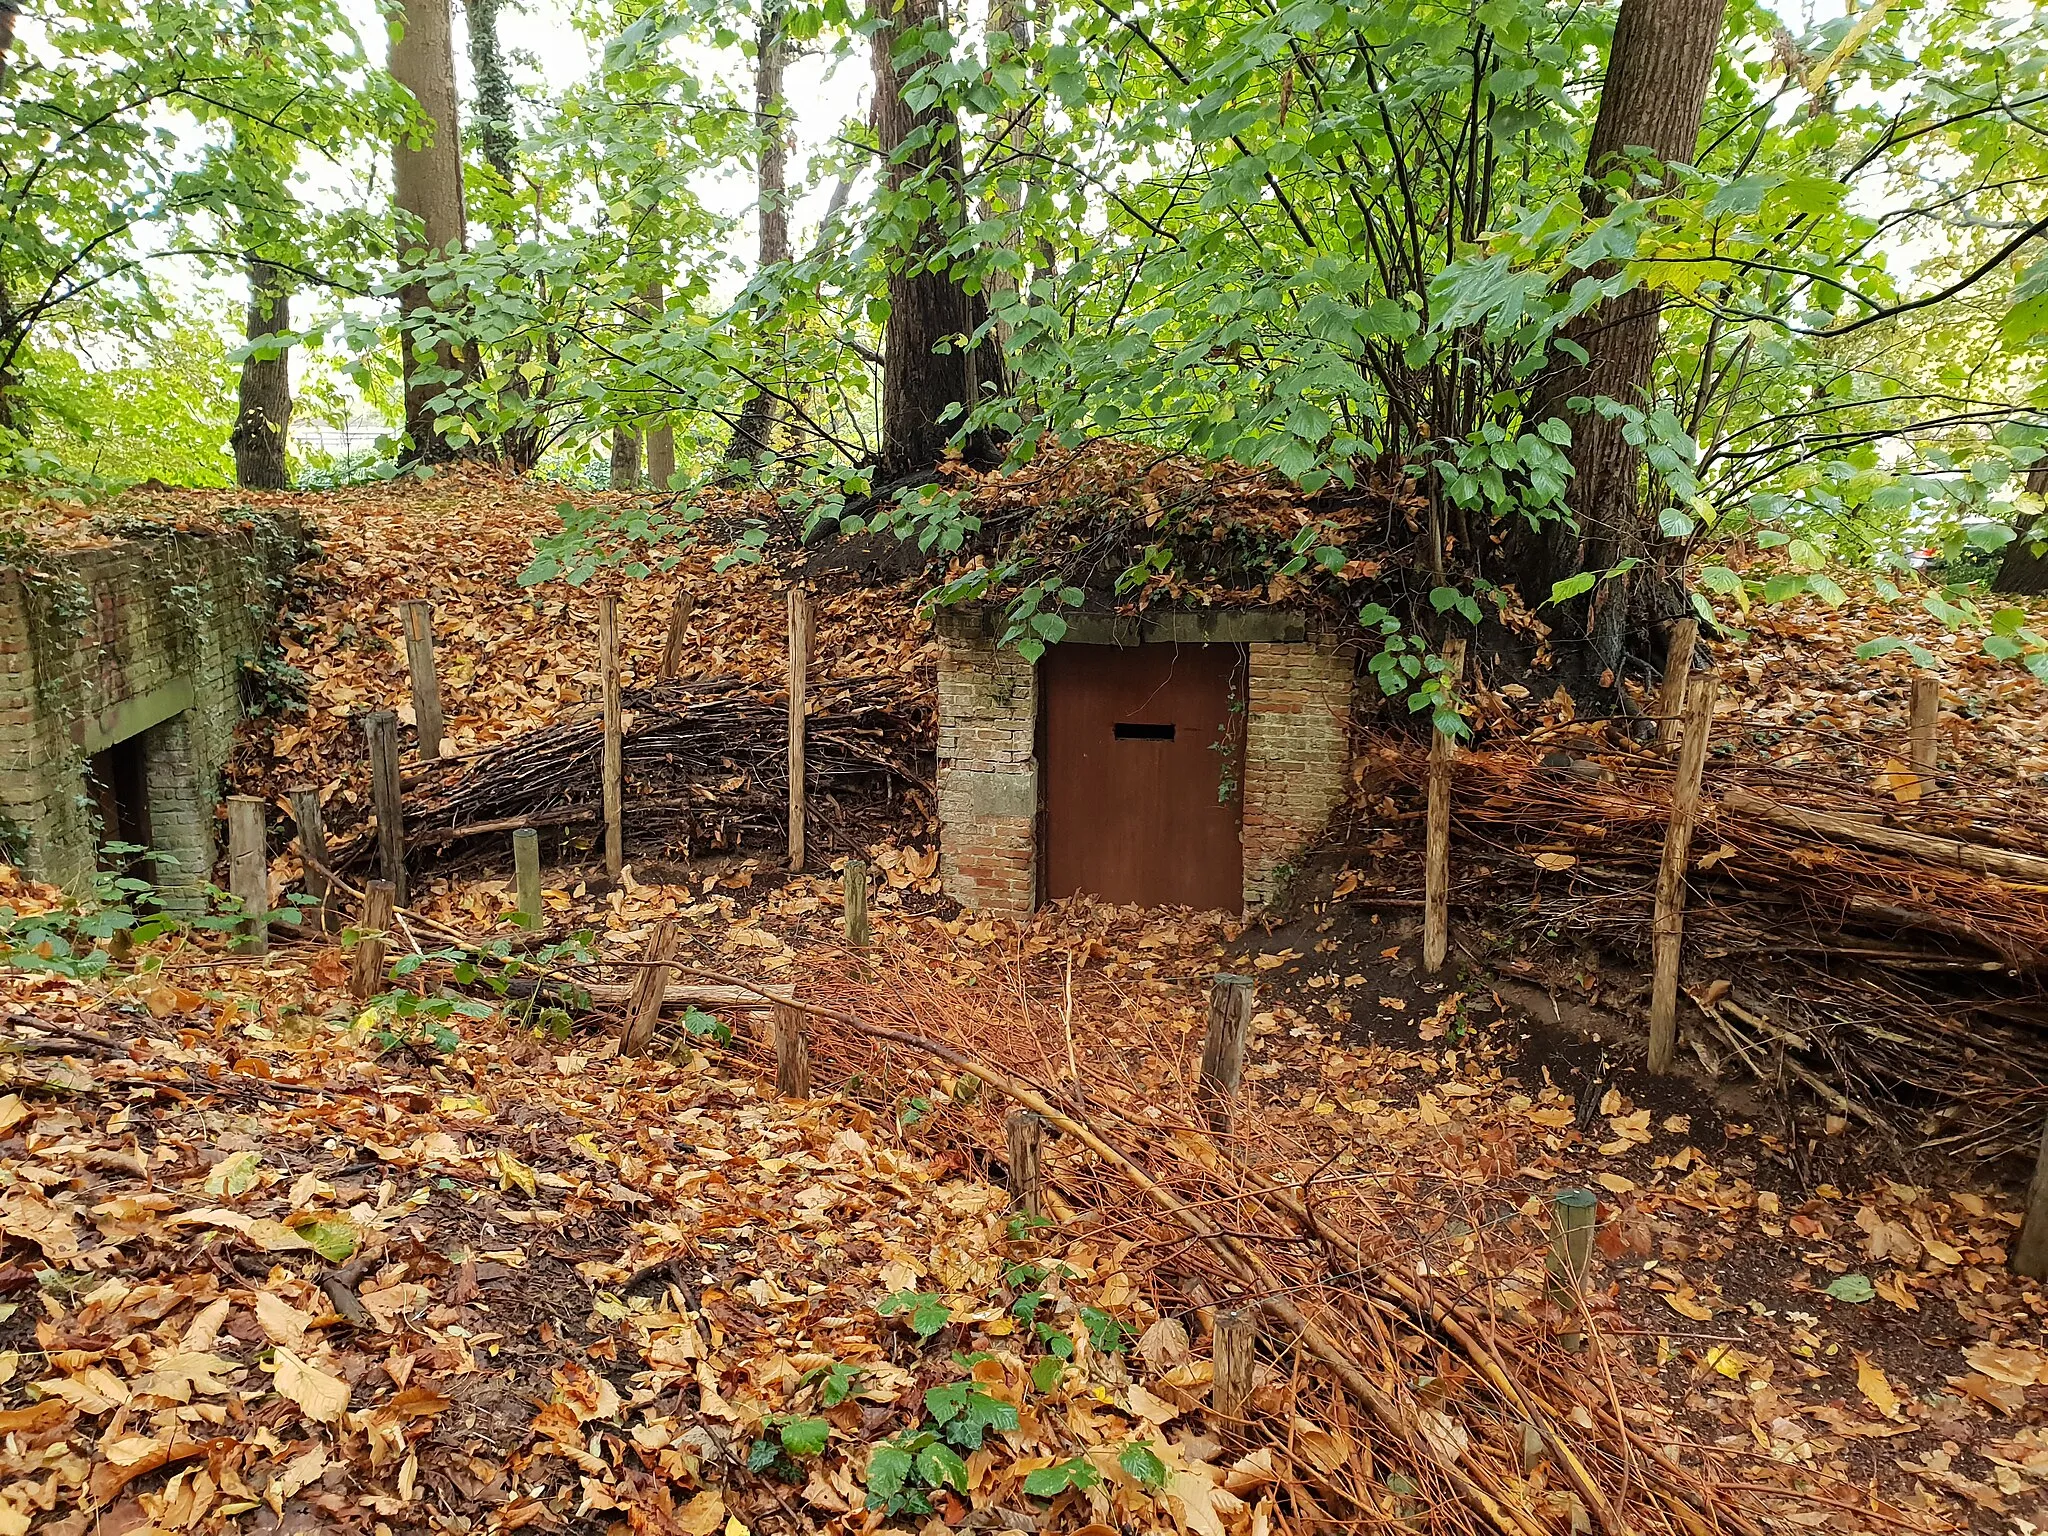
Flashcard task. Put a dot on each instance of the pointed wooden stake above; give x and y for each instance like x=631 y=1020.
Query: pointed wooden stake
x=426 y=678
x=614 y=741
x=1025 y=1133
x=366 y=969
x=1436 y=853
x=1667 y=924
x=1685 y=636
x=380 y=729
x=526 y=870
x=249 y=873
x=678 y=642
x=1926 y=751
x=1224 y=1045
x=1234 y=1349
x=799 y=677
x=792 y=1054
x=650 y=987
x=305 y=801
x=854 y=883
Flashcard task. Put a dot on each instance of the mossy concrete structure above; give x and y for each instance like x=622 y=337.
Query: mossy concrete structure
x=1299 y=690
x=127 y=666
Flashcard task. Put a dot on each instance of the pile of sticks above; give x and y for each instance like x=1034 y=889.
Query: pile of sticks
x=705 y=768
x=1891 y=956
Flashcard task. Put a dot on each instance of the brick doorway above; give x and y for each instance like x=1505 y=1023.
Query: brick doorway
x=1143 y=749
x=119 y=781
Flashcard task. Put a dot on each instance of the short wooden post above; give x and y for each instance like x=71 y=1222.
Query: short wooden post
x=650 y=987
x=799 y=678
x=1025 y=1133
x=1233 y=1347
x=614 y=741
x=366 y=972
x=2030 y=1249
x=526 y=871
x=1926 y=713
x=792 y=1054
x=305 y=800
x=426 y=678
x=854 y=889
x=1571 y=1252
x=1223 y=1046
x=1667 y=924
x=387 y=800
x=1678 y=649
x=249 y=873
x=1436 y=853
x=678 y=634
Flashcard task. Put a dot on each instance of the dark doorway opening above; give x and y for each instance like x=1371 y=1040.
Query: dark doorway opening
x=1143 y=749
x=119 y=781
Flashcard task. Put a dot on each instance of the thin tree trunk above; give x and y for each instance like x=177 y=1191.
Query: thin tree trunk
x=930 y=373
x=1009 y=135
x=496 y=137
x=2021 y=571
x=754 y=433
x=8 y=10
x=625 y=459
x=661 y=438
x=264 y=414
x=1658 y=70
x=427 y=184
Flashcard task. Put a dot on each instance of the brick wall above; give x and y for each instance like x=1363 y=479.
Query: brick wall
x=1297 y=754
x=142 y=637
x=988 y=775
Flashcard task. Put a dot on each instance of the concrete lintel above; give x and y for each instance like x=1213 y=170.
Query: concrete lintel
x=131 y=717
x=1189 y=626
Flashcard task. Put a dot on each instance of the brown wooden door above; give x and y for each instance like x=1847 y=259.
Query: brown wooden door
x=1143 y=752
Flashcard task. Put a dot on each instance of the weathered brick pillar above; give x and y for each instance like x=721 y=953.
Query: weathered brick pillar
x=1297 y=755
x=988 y=772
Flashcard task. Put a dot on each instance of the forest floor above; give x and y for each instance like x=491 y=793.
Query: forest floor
x=277 y=1262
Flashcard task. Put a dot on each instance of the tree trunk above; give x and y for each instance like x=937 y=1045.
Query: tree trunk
x=495 y=135
x=1658 y=71
x=8 y=11
x=661 y=437
x=427 y=185
x=2020 y=571
x=265 y=402
x=930 y=373
x=754 y=433
x=1008 y=136
x=625 y=459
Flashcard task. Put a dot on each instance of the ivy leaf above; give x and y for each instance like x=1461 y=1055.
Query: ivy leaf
x=1104 y=1331
x=939 y=1466
x=928 y=1310
x=889 y=1468
x=1046 y=1373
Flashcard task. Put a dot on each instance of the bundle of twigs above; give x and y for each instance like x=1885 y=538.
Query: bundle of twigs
x=1416 y=1380
x=1896 y=952
x=706 y=767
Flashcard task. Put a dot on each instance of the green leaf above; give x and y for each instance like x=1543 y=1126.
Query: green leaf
x=1140 y=1462
x=1104 y=1331
x=940 y=1466
x=805 y=1437
x=1051 y=1482
x=1852 y=1288
x=1047 y=1371
x=1572 y=586
x=889 y=1468
x=928 y=1310
x=333 y=1238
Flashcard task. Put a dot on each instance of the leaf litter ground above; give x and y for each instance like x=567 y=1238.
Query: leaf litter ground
x=585 y=1293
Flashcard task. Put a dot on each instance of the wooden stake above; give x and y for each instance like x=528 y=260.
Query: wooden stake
x=2030 y=1249
x=305 y=801
x=380 y=727
x=1233 y=1346
x=1667 y=924
x=614 y=741
x=678 y=634
x=526 y=870
x=249 y=873
x=799 y=676
x=1685 y=635
x=1571 y=1240
x=650 y=986
x=1436 y=858
x=366 y=973
x=792 y=1055
x=426 y=678
x=1025 y=1132
x=1223 y=1046
x=1920 y=732
x=854 y=884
